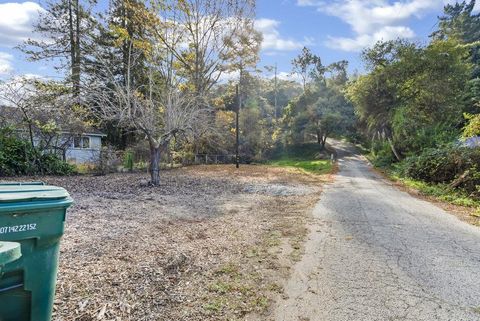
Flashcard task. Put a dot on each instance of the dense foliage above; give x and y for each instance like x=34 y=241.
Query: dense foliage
x=413 y=97
x=417 y=104
x=445 y=166
x=322 y=109
x=19 y=157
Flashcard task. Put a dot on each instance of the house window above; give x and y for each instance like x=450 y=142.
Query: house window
x=81 y=142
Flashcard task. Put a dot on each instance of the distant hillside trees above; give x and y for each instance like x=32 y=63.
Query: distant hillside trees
x=322 y=109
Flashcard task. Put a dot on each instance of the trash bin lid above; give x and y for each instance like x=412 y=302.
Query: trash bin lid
x=9 y=252
x=31 y=195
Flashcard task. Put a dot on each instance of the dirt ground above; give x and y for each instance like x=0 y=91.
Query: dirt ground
x=210 y=243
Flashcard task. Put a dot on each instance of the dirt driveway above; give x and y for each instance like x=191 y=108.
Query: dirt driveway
x=210 y=243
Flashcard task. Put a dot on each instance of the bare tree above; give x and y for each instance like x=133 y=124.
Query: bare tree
x=161 y=110
x=208 y=40
x=42 y=109
x=17 y=93
x=185 y=47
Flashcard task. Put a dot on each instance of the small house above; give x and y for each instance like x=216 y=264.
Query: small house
x=74 y=148
x=84 y=148
x=73 y=143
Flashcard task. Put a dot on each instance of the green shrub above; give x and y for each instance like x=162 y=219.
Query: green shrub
x=142 y=166
x=444 y=166
x=382 y=155
x=51 y=164
x=128 y=162
x=18 y=157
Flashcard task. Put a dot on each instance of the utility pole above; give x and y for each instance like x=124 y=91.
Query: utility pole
x=237 y=140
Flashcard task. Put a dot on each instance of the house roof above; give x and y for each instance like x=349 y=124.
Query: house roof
x=87 y=133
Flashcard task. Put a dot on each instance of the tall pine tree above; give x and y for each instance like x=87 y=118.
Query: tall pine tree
x=63 y=35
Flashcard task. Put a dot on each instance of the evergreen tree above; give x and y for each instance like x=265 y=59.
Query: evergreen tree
x=461 y=23
x=64 y=32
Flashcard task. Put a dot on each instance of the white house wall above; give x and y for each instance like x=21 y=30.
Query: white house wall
x=77 y=155
x=85 y=155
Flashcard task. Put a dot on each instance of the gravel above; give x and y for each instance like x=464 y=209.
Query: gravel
x=278 y=190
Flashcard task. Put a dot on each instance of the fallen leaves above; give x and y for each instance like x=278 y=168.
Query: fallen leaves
x=201 y=246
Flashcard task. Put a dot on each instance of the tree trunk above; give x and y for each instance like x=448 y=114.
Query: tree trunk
x=324 y=141
x=30 y=133
x=76 y=62
x=394 y=150
x=71 y=36
x=72 y=24
x=460 y=180
x=319 y=137
x=154 y=164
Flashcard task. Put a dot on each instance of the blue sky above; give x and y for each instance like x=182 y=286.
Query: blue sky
x=340 y=29
x=333 y=29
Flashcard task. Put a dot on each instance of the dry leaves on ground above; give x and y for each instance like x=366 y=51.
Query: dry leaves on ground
x=210 y=243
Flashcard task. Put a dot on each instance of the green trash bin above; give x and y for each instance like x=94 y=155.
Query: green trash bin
x=33 y=215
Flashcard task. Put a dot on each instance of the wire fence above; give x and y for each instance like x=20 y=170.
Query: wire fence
x=213 y=159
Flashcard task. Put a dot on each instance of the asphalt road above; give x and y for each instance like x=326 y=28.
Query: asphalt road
x=377 y=253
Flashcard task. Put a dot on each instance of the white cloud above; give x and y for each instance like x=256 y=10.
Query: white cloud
x=367 y=16
x=16 y=21
x=228 y=76
x=288 y=76
x=283 y=75
x=304 y=3
x=271 y=53
x=273 y=41
x=5 y=63
x=373 y=20
x=366 y=40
